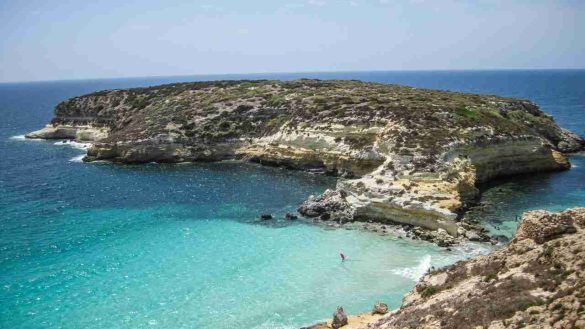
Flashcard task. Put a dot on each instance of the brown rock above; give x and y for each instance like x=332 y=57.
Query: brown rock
x=339 y=318
x=380 y=308
x=542 y=226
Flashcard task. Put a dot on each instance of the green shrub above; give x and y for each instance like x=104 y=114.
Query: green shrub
x=276 y=101
x=319 y=100
x=465 y=112
x=490 y=277
x=429 y=291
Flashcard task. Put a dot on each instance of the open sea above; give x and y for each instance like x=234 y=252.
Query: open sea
x=179 y=246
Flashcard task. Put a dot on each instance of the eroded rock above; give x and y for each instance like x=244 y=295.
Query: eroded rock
x=331 y=205
x=339 y=318
x=380 y=308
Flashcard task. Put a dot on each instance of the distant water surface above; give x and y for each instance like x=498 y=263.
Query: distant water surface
x=178 y=246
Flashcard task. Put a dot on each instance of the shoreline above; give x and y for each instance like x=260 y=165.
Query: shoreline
x=398 y=230
x=360 y=320
x=546 y=296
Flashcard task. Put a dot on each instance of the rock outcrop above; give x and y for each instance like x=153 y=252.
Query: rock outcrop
x=339 y=318
x=405 y=155
x=536 y=281
x=380 y=308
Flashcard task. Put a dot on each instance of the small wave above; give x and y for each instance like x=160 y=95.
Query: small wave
x=23 y=138
x=78 y=158
x=416 y=272
x=74 y=144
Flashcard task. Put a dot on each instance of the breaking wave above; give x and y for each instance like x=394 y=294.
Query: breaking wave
x=78 y=158
x=415 y=272
x=74 y=144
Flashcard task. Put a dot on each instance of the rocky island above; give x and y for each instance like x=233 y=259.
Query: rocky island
x=404 y=155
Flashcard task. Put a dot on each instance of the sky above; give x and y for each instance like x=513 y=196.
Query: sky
x=67 y=39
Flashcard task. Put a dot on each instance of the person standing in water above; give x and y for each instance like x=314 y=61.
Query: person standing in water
x=342 y=256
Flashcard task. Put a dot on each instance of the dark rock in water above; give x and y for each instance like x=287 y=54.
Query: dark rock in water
x=325 y=216
x=339 y=318
x=380 y=308
x=473 y=236
x=500 y=239
x=443 y=243
x=407 y=227
x=289 y=216
x=265 y=216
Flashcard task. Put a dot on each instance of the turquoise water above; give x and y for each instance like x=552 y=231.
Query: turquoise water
x=179 y=246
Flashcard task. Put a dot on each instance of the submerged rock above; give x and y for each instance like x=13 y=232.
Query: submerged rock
x=265 y=216
x=500 y=239
x=289 y=216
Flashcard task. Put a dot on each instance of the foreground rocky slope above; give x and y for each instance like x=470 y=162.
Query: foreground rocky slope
x=537 y=281
x=407 y=155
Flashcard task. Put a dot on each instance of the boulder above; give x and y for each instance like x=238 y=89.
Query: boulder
x=289 y=216
x=339 y=318
x=542 y=226
x=329 y=205
x=265 y=216
x=380 y=308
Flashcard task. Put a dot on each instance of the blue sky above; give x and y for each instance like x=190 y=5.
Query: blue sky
x=64 y=39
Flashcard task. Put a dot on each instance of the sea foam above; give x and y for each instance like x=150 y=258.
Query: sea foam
x=74 y=144
x=78 y=158
x=415 y=272
x=23 y=138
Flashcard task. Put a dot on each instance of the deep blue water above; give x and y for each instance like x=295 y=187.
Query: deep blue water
x=178 y=246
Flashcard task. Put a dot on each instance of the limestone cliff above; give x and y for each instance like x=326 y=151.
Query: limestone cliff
x=405 y=154
x=537 y=281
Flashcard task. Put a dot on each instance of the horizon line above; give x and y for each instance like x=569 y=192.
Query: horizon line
x=287 y=72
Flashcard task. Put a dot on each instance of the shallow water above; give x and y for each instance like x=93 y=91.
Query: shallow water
x=171 y=246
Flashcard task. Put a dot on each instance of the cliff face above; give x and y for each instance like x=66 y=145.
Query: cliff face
x=537 y=281
x=407 y=155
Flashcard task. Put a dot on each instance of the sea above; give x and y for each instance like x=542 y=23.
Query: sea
x=102 y=245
